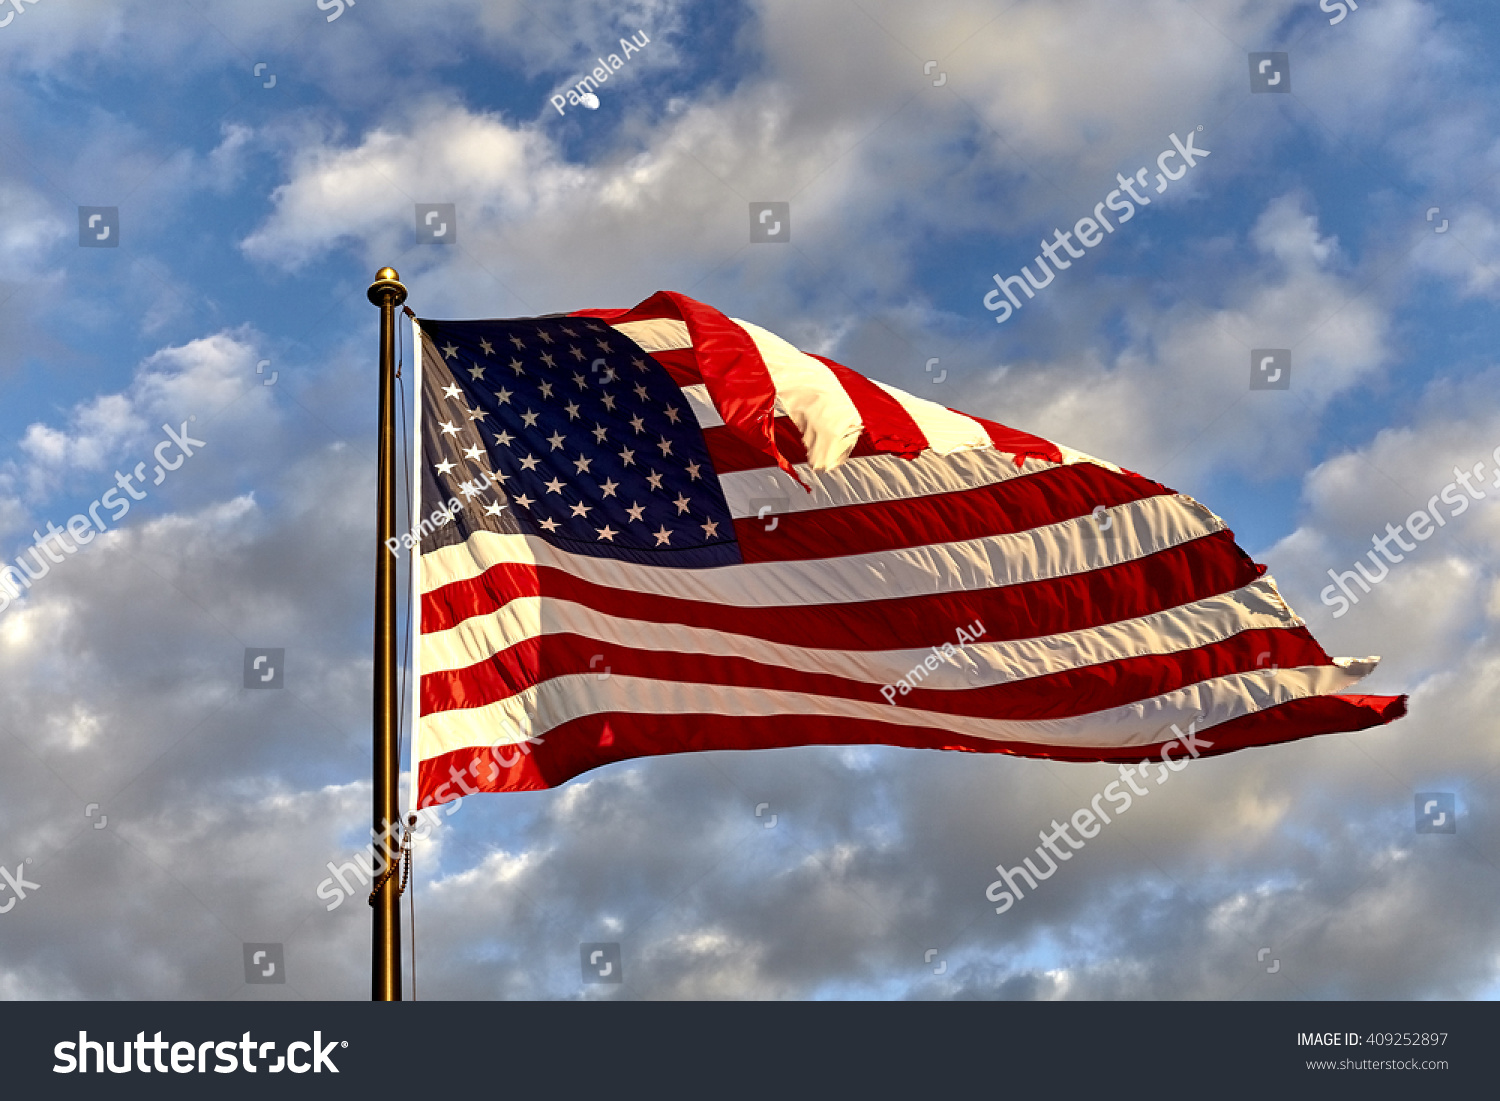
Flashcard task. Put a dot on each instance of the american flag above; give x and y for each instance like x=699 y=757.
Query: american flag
x=662 y=530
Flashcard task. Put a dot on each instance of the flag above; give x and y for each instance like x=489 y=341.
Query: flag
x=661 y=530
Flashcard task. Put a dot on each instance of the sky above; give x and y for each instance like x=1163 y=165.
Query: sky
x=255 y=164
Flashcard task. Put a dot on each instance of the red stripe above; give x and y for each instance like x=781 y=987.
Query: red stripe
x=681 y=364
x=1060 y=695
x=587 y=743
x=730 y=454
x=887 y=424
x=1015 y=442
x=610 y=316
x=1179 y=575
x=1047 y=497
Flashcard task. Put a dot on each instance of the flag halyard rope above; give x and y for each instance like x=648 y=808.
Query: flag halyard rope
x=401 y=864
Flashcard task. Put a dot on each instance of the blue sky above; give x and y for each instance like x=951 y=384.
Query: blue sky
x=253 y=218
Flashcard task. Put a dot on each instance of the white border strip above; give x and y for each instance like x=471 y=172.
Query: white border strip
x=415 y=578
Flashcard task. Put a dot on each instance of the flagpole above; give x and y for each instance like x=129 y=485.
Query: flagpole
x=385 y=947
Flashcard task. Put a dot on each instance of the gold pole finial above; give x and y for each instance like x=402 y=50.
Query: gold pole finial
x=387 y=284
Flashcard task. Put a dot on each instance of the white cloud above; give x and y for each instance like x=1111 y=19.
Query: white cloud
x=1175 y=402
x=200 y=379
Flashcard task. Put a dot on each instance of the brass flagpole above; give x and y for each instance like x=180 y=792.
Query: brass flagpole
x=385 y=948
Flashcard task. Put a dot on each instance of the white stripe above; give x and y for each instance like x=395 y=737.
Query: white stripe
x=660 y=334
x=872 y=478
x=702 y=406
x=1069 y=456
x=1187 y=627
x=415 y=557
x=946 y=431
x=1208 y=703
x=812 y=396
x=1137 y=528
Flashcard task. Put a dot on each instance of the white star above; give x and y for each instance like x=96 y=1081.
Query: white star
x=556 y=440
x=475 y=453
x=470 y=490
x=579 y=510
x=494 y=510
x=666 y=447
x=477 y=414
x=450 y=351
x=524 y=501
x=547 y=357
x=486 y=347
x=627 y=456
x=530 y=462
x=609 y=401
x=655 y=480
x=672 y=413
x=602 y=344
x=640 y=364
x=476 y=371
x=635 y=510
x=609 y=487
x=504 y=438
x=711 y=529
x=550 y=525
x=452 y=390
x=607 y=532
x=572 y=410
x=581 y=381
x=599 y=433
x=607 y=375
x=638 y=424
x=581 y=464
x=514 y=339
x=517 y=366
x=555 y=485
x=682 y=504
x=692 y=469
x=449 y=428
x=546 y=389
x=444 y=466
x=545 y=335
x=574 y=351
x=640 y=391
x=502 y=395
x=663 y=537
x=530 y=419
